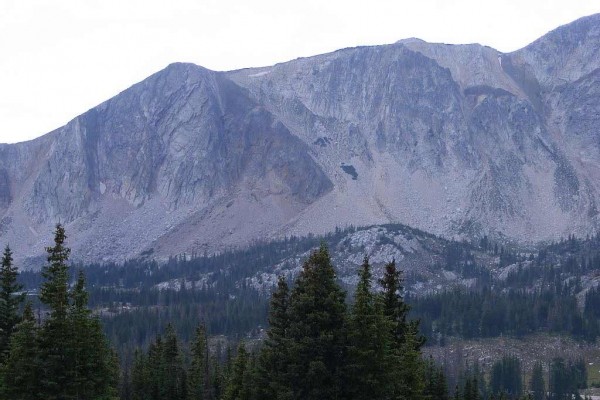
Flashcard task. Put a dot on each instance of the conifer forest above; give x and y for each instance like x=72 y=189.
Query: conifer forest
x=62 y=336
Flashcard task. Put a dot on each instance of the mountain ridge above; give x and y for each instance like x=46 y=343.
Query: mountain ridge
x=459 y=140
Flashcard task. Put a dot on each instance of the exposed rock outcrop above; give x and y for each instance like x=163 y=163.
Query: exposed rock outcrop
x=456 y=140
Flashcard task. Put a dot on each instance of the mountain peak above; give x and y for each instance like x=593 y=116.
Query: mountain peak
x=460 y=141
x=565 y=54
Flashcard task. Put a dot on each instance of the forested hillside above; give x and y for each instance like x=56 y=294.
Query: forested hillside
x=192 y=312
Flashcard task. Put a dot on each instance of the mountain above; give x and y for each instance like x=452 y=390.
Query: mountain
x=457 y=140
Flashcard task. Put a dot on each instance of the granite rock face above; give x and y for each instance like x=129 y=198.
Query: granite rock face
x=456 y=140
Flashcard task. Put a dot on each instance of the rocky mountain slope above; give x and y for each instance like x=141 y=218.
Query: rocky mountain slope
x=456 y=140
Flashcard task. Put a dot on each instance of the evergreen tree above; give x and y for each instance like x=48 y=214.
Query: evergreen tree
x=95 y=369
x=55 y=290
x=251 y=379
x=81 y=346
x=76 y=361
x=537 y=384
x=506 y=376
x=468 y=390
x=10 y=301
x=125 y=384
x=558 y=382
x=436 y=387
x=198 y=376
x=566 y=379
x=156 y=370
x=317 y=339
x=471 y=391
x=396 y=309
x=217 y=378
x=140 y=380
x=238 y=385
x=174 y=385
x=456 y=395
x=21 y=372
x=394 y=306
x=371 y=359
x=274 y=355
x=407 y=341
x=56 y=365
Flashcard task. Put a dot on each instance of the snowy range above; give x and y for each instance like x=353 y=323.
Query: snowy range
x=457 y=140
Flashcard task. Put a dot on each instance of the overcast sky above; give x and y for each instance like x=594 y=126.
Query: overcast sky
x=59 y=58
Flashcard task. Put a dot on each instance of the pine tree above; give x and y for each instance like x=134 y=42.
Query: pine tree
x=435 y=382
x=237 y=385
x=21 y=372
x=371 y=359
x=55 y=290
x=125 y=384
x=10 y=301
x=407 y=341
x=251 y=379
x=57 y=366
x=537 y=385
x=317 y=338
x=506 y=376
x=410 y=367
x=456 y=395
x=217 y=378
x=273 y=382
x=95 y=369
x=174 y=385
x=198 y=376
x=76 y=361
x=471 y=390
x=140 y=380
x=394 y=306
x=156 y=370
x=81 y=347
x=557 y=382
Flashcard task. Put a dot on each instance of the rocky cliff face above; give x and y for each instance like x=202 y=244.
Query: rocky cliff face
x=456 y=140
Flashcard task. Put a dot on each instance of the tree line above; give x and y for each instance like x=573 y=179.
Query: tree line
x=316 y=346
x=563 y=381
x=62 y=353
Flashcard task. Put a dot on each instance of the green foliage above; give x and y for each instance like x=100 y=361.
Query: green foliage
x=95 y=370
x=55 y=290
x=317 y=339
x=491 y=313
x=68 y=356
x=10 y=300
x=372 y=359
x=173 y=383
x=566 y=378
x=140 y=376
x=316 y=349
x=238 y=386
x=274 y=358
x=506 y=377
x=198 y=375
x=436 y=387
x=471 y=389
x=406 y=339
x=57 y=364
x=537 y=385
x=21 y=371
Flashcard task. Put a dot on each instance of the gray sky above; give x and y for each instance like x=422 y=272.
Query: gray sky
x=59 y=58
